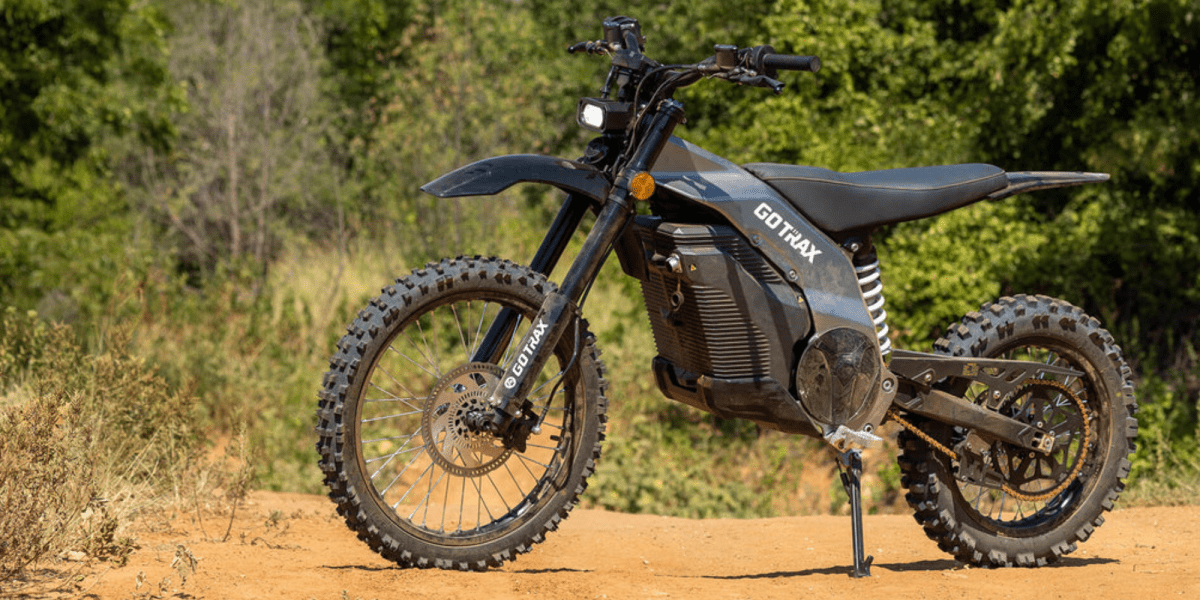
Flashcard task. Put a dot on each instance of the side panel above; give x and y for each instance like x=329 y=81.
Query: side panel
x=494 y=175
x=812 y=262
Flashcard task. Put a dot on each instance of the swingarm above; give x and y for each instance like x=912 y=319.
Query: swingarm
x=1005 y=380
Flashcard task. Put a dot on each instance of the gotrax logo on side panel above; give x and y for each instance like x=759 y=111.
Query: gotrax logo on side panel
x=776 y=223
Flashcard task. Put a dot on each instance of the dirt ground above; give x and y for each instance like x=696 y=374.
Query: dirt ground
x=295 y=547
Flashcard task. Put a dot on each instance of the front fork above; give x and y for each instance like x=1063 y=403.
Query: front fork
x=510 y=418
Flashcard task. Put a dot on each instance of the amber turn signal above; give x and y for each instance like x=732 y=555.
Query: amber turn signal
x=642 y=186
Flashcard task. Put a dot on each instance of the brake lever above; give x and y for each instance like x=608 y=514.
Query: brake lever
x=597 y=47
x=761 y=81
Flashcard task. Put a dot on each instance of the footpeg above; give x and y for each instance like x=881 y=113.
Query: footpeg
x=845 y=439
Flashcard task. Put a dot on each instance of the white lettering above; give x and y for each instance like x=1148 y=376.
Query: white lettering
x=789 y=233
x=528 y=351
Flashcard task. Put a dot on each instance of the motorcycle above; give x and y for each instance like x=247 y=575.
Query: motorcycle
x=465 y=408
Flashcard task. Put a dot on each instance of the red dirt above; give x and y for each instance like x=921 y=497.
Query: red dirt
x=307 y=552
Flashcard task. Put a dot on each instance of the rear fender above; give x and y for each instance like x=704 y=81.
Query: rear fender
x=494 y=175
x=1030 y=181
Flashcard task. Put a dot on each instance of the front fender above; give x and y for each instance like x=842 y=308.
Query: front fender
x=496 y=174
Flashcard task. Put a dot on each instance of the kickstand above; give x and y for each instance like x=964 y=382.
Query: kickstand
x=851 y=463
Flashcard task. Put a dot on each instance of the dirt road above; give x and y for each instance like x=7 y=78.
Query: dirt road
x=295 y=547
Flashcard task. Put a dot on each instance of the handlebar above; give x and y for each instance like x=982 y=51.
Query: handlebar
x=764 y=60
x=757 y=66
x=791 y=62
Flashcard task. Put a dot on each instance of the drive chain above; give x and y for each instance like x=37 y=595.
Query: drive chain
x=893 y=413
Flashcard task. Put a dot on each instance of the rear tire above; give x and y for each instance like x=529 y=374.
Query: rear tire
x=989 y=527
x=410 y=478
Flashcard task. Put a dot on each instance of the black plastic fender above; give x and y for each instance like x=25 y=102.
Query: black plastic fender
x=494 y=175
x=1029 y=181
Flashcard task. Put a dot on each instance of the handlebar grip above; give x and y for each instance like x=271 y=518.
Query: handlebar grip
x=790 y=62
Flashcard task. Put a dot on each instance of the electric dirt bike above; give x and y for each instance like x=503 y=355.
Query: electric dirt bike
x=464 y=411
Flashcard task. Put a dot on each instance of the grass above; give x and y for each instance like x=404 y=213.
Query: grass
x=93 y=440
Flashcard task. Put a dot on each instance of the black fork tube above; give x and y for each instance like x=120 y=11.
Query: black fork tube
x=536 y=348
x=492 y=349
x=559 y=309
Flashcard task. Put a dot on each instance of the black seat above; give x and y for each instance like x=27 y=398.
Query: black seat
x=840 y=202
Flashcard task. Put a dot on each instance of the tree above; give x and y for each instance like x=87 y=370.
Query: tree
x=75 y=76
x=252 y=163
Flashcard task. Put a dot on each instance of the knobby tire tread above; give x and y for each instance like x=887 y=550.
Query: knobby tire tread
x=925 y=478
x=373 y=321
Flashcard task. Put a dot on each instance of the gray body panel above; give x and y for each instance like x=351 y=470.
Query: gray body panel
x=814 y=264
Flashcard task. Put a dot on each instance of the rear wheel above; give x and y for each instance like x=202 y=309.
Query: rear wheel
x=1030 y=509
x=407 y=472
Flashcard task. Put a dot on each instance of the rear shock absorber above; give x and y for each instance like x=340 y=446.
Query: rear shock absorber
x=872 y=292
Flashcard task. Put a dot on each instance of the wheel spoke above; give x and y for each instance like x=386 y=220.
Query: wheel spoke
x=393 y=397
x=388 y=439
x=527 y=459
x=394 y=379
x=508 y=349
x=433 y=362
x=499 y=494
x=408 y=442
x=409 y=358
x=462 y=338
x=411 y=487
x=477 y=339
x=514 y=478
x=482 y=503
x=395 y=416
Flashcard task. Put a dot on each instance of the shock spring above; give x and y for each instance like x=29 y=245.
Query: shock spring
x=872 y=291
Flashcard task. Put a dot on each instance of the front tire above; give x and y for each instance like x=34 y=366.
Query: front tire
x=408 y=475
x=1047 y=504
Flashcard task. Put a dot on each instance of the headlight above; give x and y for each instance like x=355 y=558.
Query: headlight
x=592 y=116
x=602 y=115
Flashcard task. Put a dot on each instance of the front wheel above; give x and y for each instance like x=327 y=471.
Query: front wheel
x=406 y=470
x=1034 y=508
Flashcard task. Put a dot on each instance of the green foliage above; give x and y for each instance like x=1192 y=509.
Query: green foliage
x=251 y=167
x=1166 y=467
x=938 y=271
x=238 y=179
x=874 y=104
x=667 y=468
x=1105 y=87
x=465 y=92
x=75 y=78
x=360 y=40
